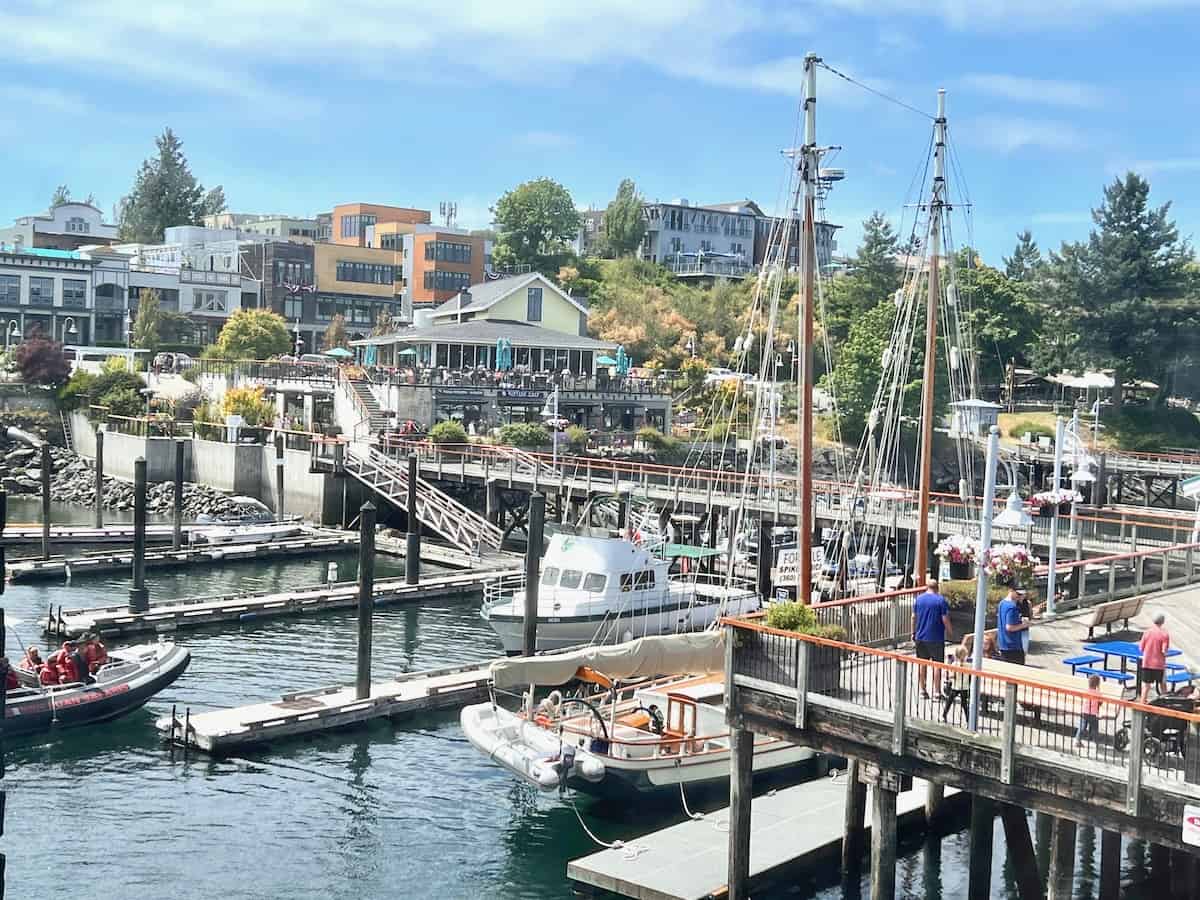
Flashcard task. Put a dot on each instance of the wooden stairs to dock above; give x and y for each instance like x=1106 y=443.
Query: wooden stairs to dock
x=369 y=405
x=436 y=509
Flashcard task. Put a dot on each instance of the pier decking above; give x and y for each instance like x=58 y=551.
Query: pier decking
x=195 y=556
x=77 y=535
x=305 y=712
x=202 y=611
x=797 y=825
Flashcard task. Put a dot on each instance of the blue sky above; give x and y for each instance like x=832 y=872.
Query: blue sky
x=295 y=106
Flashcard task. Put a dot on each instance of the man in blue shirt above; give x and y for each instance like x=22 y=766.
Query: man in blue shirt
x=930 y=628
x=1009 y=627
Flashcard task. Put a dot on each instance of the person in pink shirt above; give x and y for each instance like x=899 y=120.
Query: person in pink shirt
x=1154 y=646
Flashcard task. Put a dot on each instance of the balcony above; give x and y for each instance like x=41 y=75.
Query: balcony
x=688 y=266
x=202 y=276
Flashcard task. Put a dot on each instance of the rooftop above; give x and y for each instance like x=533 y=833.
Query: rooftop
x=44 y=252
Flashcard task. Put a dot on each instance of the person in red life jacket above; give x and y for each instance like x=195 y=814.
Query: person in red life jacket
x=70 y=664
x=95 y=654
x=50 y=673
x=32 y=661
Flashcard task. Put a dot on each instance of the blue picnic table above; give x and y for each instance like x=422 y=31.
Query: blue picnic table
x=1123 y=650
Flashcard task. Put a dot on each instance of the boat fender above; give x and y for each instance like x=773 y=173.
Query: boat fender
x=542 y=719
x=598 y=746
x=565 y=767
x=247 y=617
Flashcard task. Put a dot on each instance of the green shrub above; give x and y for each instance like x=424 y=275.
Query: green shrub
x=250 y=404
x=76 y=391
x=652 y=437
x=1150 y=429
x=448 y=432
x=124 y=402
x=524 y=434
x=791 y=616
x=1017 y=429
x=577 y=438
x=830 y=632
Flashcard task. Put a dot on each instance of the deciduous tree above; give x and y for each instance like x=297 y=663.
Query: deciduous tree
x=253 y=334
x=41 y=361
x=147 y=326
x=335 y=333
x=624 y=221
x=536 y=219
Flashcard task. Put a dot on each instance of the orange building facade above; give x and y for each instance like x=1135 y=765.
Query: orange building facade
x=440 y=264
x=354 y=224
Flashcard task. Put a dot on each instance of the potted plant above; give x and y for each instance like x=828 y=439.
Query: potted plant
x=1010 y=564
x=824 y=662
x=1059 y=500
x=960 y=552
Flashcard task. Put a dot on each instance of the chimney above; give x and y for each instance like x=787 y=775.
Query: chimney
x=464 y=300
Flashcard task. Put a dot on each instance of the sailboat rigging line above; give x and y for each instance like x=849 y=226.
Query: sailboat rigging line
x=871 y=90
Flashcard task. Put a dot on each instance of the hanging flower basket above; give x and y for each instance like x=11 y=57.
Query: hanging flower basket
x=960 y=553
x=1010 y=564
x=1059 y=501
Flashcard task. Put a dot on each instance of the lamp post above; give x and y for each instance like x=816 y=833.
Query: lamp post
x=299 y=343
x=13 y=328
x=981 y=589
x=551 y=410
x=691 y=346
x=128 y=327
x=1059 y=437
x=69 y=329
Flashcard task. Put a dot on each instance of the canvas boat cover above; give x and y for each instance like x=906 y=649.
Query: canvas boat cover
x=701 y=653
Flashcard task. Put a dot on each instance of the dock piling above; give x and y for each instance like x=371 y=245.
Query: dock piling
x=177 y=533
x=765 y=557
x=100 y=475
x=1061 y=878
x=855 y=816
x=1110 y=865
x=1021 y=857
x=279 y=477
x=139 y=597
x=47 y=471
x=366 y=597
x=883 y=841
x=741 y=796
x=935 y=795
x=533 y=562
x=979 y=865
x=412 y=548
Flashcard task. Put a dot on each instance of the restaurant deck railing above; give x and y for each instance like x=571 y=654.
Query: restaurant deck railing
x=1018 y=716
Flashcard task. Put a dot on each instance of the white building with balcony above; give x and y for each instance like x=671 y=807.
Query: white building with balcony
x=67 y=226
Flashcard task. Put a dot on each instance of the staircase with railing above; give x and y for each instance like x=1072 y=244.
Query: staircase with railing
x=436 y=509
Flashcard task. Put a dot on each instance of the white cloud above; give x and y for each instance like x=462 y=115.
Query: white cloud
x=52 y=99
x=1008 y=134
x=1036 y=90
x=1011 y=14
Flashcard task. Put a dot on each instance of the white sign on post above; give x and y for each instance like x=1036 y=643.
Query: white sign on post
x=1191 y=825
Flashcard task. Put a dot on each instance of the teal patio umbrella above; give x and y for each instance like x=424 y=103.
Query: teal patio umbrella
x=605 y=361
x=339 y=352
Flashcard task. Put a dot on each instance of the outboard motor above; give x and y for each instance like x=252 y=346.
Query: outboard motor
x=565 y=765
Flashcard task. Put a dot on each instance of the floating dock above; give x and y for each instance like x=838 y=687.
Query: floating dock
x=304 y=712
x=449 y=556
x=193 y=556
x=31 y=535
x=201 y=611
x=793 y=826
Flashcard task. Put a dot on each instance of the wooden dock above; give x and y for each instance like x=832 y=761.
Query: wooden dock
x=75 y=535
x=449 y=556
x=795 y=826
x=192 y=557
x=304 y=712
x=201 y=611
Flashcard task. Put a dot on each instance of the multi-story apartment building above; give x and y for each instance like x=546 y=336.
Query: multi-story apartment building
x=271 y=226
x=47 y=291
x=67 y=226
x=439 y=263
x=354 y=224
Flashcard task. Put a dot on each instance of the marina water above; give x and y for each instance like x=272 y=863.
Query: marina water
x=390 y=811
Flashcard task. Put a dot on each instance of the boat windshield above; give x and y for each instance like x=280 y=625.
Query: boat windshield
x=570 y=578
x=550 y=576
x=594 y=582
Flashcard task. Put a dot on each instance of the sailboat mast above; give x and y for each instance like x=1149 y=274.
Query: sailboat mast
x=936 y=202
x=809 y=173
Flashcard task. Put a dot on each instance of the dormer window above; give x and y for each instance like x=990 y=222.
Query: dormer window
x=77 y=225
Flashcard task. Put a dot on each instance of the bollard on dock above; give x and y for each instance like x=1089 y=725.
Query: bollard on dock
x=139 y=597
x=366 y=597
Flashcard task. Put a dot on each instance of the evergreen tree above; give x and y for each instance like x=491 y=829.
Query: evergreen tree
x=214 y=201
x=62 y=194
x=165 y=193
x=624 y=221
x=1127 y=289
x=858 y=369
x=875 y=263
x=537 y=219
x=1026 y=262
x=149 y=319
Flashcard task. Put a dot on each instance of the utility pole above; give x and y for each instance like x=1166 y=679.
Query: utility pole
x=1059 y=438
x=936 y=201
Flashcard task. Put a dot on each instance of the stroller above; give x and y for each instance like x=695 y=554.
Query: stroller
x=1163 y=735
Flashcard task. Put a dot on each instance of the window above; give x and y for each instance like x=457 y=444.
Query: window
x=571 y=578
x=550 y=576
x=326 y=309
x=594 y=582
x=10 y=290
x=74 y=293
x=448 y=251
x=626 y=582
x=439 y=280
x=391 y=241
x=643 y=581
x=77 y=225
x=41 y=291
x=533 y=305
x=208 y=301
x=736 y=247
x=293 y=310
x=355 y=226
x=365 y=273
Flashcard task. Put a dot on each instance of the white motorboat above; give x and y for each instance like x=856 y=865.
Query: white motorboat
x=245 y=534
x=644 y=737
x=597 y=589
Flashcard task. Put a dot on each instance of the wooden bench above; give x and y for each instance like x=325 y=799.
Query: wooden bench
x=1108 y=614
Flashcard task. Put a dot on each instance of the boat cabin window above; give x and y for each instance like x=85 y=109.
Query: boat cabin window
x=594 y=582
x=627 y=582
x=570 y=578
x=550 y=576
x=644 y=580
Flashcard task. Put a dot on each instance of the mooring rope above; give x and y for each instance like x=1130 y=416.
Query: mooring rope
x=632 y=851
